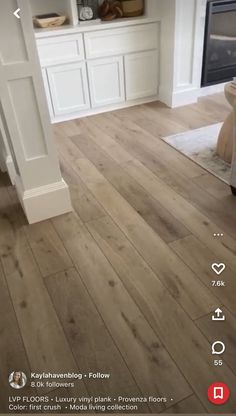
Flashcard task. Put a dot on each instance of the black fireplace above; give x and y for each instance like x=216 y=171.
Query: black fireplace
x=219 y=60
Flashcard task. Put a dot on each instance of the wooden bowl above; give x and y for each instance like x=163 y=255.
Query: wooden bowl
x=46 y=22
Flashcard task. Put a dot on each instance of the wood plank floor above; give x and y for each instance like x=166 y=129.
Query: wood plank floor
x=123 y=284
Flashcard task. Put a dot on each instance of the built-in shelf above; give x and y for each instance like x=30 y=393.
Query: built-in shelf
x=69 y=8
x=70 y=29
x=64 y=7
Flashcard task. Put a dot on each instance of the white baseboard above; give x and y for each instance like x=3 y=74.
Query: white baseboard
x=100 y=110
x=212 y=89
x=187 y=96
x=178 y=98
x=46 y=202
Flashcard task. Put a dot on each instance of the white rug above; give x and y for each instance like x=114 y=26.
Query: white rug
x=200 y=146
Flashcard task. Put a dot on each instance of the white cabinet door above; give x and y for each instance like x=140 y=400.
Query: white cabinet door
x=69 y=88
x=106 y=80
x=141 y=75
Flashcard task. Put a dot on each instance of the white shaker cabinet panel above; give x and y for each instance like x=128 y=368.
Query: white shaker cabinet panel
x=121 y=41
x=69 y=88
x=106 y=80
x=141 y=75
x=60 y=49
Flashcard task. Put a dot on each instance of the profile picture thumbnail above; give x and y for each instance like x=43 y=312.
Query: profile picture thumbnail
x=17 y=379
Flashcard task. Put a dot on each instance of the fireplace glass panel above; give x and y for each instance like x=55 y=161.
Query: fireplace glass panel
x=220 y=43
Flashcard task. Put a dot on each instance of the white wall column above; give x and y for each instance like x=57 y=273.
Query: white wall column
x=24 y=113
x=182 y=38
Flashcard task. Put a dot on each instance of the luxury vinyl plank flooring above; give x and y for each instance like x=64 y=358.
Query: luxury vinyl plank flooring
x=139 y=142
x=103 y=140
x=181 y=176
x=225 y=330
x=192 y=404
x=175 y=329
x=149 y=209
x=198 y=223
x=49 y=252
x=44 y=340
x=154 y=250
x=128 y=239
x=12 y=351
x=84 y=202
x=133 y=335
x=122 y=285
x=178 y=174
x=214 y=186
x=91 y=343
x=199 y=258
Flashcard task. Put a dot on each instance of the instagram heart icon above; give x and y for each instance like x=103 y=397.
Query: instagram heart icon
x=218 y=268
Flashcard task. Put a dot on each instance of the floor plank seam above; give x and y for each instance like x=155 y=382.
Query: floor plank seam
x=101 y=317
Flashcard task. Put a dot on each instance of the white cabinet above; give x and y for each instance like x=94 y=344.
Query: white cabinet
x=69 y=88
x=98 y=68
x=141 y=75
x=106 y=81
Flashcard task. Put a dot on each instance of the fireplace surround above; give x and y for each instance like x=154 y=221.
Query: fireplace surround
x=219 y=59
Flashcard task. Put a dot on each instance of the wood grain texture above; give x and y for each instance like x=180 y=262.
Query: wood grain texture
x=213 y=185
x=174 y=274
x=175 y=329
x=191 y=404
x=149 y=209
x=44 y=340
x=49 y=252
x=199 y=258
x=133 y=335
x=122 y=285
x=91 y=343
x=12 y=351
x=176 y=171
x=84 y=203
x=199 y=224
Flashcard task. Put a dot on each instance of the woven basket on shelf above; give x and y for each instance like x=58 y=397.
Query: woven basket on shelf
x=47 y=22
x=132 y=8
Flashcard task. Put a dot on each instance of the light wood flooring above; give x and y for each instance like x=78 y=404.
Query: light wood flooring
x=123 y=284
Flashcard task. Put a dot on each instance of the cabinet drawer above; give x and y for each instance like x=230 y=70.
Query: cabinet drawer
x=121 y=41
x=60 y=49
